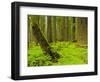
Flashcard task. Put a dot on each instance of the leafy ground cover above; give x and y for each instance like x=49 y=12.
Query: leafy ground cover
x=70 y=55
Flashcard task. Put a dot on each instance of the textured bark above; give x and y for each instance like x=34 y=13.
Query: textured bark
x=73 y=29
x=82 y=32
x=42 y=24
x=69 y=29
x=54 y=39
x=49 y=29
x=63 y=29
x=44 y=44
x=66 y=29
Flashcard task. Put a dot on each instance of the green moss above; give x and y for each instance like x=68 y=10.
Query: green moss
x=70 y=55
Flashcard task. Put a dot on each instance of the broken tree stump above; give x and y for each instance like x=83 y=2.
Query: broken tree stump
x=44 y=44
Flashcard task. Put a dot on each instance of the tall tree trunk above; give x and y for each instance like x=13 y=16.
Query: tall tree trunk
x=82 y=31
x=44 y=44
x=42 y=24
x=59 y=28
x=66 y=28
x=53 y=23
x=46 y=27
x=69 y=28
x=29 y=36
x=31 y=20
x=49 y=29
x=63 y=28
x=73 y=29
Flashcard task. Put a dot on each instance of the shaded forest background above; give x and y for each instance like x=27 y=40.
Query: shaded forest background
x=68 y=33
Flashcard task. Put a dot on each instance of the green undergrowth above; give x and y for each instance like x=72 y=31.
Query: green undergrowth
x=70 y=55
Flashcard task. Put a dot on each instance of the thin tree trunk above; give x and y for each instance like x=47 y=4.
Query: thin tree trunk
x=49 y=29
x=42 y=24
x=69 y=29
x=53 y=21
x=63 y=29
x=59 y=28
x=73 y=29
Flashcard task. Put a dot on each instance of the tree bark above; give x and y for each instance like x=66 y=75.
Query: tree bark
x=49 y=29
x=63 y=29
x=44 y=44
x=82 y=32
x=73 y=29
x=69 y=28
x=53 y=21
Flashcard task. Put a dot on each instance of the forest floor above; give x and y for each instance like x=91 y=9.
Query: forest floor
x=70 y=55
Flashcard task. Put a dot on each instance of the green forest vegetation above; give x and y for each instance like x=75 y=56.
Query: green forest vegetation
x=57 y=40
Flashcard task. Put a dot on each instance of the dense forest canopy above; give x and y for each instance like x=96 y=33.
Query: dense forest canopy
x=57 y=30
